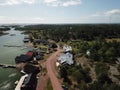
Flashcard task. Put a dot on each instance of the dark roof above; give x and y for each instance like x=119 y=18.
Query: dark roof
x=31 y=69
x=27 y=80
x=23 y=58
x=41 y=53
x=41 y=41
x=26 y=40
x=38 y=52
x=52 y=45
x=39 y=57
x=30 y=82
x=37 y=40
x=34 y=62
x=26 y=37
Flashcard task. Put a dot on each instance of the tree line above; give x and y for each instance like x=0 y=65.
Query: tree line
x=66 y=32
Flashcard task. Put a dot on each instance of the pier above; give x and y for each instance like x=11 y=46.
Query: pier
x=7 y=66
x=20 y=82
x=13 y=46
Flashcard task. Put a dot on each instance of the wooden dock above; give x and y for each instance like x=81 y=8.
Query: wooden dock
x=19 y=85
x=13 y=46
x=7 y=66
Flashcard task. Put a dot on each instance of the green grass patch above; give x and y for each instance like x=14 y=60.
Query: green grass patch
x=49 y=85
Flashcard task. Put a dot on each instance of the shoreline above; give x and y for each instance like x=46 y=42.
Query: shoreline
x=2 y=34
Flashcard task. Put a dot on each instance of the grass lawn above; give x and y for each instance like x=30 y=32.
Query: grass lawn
x=49 y=85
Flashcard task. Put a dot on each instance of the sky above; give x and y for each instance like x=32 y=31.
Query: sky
x=59 y=11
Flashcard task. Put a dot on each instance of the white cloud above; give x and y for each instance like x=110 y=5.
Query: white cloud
x=96 y=14
x=6 y=19
x=2 y=18
x=38 y=18
x=49 y=1
x=56 y=3
x=113 y=12
x=15 y=2
x=64 y=3
x=71 y=2
x=108 y=16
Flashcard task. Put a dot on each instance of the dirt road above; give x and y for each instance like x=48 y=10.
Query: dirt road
x=51 y=68
x=42 y=82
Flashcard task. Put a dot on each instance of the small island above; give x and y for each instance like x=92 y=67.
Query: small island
x=3 y=29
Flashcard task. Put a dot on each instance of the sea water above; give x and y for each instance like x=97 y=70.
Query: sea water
x=7 y=56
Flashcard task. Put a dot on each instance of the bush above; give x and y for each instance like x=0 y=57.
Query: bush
x=101 y=68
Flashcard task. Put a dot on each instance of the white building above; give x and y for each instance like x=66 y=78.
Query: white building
x=66 y=58
x=67 y=48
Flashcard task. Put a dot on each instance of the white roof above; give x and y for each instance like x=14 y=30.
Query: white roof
x=67 y=48
x=57 y=64
x=118 y=59
x=66 y=58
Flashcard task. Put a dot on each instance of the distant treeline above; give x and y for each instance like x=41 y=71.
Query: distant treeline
x=1 y=33
x=4 y=29
x=77 y=31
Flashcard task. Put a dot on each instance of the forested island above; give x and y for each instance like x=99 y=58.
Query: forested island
x=3 y=29
x=96 y=50
x=77 y=31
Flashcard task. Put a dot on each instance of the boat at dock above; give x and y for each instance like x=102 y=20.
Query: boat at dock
x=24 y=48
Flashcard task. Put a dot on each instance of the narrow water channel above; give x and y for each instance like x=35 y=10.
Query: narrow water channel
x=7 y=56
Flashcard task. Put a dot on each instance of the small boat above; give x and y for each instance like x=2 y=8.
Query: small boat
x=16 y=82
x=24 y=48
x=5 y=66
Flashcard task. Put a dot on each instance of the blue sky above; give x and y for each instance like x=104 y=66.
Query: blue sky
x=59 y=11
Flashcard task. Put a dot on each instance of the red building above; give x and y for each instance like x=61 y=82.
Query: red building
x=30 y=53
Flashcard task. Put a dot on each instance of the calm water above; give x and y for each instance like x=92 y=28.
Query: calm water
x=7 y=56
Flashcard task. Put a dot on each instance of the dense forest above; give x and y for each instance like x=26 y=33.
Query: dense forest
x=76 y=31
x=99 y=50
x=4 y=29
x=1 y=32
